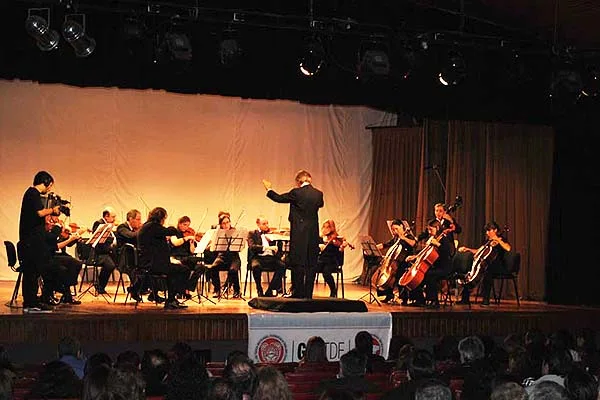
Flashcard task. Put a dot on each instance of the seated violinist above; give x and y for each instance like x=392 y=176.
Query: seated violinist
x=155 y=256
x=63 y=269
x=262 y=256
x=105 y=256
x=495 y=261
x=225 y=261
x=183 y=245
x=440 y=269
x=331 y=247
x=399 y=247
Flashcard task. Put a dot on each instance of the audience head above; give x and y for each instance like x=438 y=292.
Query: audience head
x=69 y=346
x=6 y=384
x=421 y=365
x=128 y=360
x=353 y=364
x=557 y=362
x=433 y=389
x=446 y=349
x=404 y=355
x=581 y=385
x=471 y=349
x=363 y=343
x=509 y=391
x=340 y=394
x=222 y=389
x=106 y=383
x=315 y=350
x=180 y=350
x=155 y=366
x=57 y=380
x=271 y=385
x=241 y=372
x=512 y=342
x=548 y=390
x=95 y=360
x=187 y=379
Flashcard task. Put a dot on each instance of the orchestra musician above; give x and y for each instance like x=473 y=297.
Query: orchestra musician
x=104 y=252
x=305 y=201
x=64 y=269
x=331 y=246
x=447 y=223
x=440 y=268
x=401 y=246
x=128 y=230
x=154 y=255
x=183 y=245
x=262 y=256
x=496 y=262
x=225 y=261
x=127 y=233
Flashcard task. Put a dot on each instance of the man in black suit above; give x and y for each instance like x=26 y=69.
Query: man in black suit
x=104 y=258
x=262 y=256
x=305 y=201
x=127 y=231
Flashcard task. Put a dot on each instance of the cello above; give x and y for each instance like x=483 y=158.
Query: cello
x=414 y=275
x=385 y=275
x=483 y=257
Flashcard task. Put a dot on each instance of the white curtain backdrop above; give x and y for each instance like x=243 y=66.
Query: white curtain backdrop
x=192 y=154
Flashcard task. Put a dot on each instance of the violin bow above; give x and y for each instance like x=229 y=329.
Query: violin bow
x=239 y=217
x=203 y=218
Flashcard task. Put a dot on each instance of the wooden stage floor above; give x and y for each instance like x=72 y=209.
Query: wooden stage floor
x=104 y=321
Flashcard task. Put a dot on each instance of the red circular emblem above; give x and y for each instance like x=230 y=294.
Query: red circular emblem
x=377 y=345
x=271 y=349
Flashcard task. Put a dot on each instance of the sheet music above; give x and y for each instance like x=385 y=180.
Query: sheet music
x=229 y=238
x=204 y=242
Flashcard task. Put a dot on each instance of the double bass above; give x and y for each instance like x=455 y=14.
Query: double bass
x=414 y=275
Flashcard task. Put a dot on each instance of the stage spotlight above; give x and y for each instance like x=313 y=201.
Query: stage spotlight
x=591 y=81
x=313 y=59
x=74 y=33
x=38 y=28
x=179 y=46
x=229 y=52
x=454 y=70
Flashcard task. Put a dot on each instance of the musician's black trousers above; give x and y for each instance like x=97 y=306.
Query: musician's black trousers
x=268 y=263
x=108 y=266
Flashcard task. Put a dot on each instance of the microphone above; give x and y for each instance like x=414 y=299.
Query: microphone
x=434 y=166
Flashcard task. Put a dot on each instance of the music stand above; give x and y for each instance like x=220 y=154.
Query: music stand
x=197 y=260
x=229 y=241
x=102 y=233
x=369 y=248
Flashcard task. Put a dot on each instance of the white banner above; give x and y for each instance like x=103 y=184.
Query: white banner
x=282 y=337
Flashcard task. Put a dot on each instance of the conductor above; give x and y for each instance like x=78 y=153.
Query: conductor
x=305 y=201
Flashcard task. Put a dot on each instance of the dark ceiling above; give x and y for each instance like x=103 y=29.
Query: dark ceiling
x=516 y=53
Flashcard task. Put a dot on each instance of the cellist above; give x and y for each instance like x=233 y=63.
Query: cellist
x=496 y=263
x=440 y=268
x=399 y=247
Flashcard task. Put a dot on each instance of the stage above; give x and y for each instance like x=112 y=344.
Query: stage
x=99 y=320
